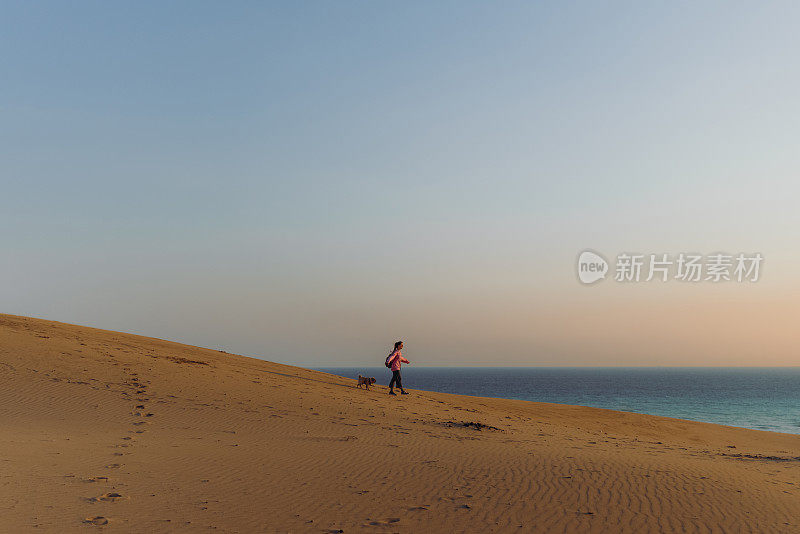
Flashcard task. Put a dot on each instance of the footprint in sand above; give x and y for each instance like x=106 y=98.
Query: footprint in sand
x=96 y=520
x=113 y=466
x=389 y=521
x=107 y=497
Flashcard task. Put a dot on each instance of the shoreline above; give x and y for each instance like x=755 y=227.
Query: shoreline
x=566 y=385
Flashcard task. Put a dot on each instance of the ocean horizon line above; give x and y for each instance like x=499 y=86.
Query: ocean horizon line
x=372 y=366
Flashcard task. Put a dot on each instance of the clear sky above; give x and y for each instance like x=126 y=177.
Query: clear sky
x=309 y=181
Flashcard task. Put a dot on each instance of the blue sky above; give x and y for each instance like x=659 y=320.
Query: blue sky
x=306 y=182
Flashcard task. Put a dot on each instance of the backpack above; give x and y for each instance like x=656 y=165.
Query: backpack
x=389 y=360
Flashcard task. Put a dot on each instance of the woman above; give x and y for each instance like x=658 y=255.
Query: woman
x=394 y=360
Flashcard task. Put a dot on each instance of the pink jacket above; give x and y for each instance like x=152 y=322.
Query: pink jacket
x=396 y=358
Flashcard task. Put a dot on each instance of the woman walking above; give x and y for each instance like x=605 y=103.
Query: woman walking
x=393 y=361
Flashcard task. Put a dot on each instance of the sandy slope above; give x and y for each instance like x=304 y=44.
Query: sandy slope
x=154 y=436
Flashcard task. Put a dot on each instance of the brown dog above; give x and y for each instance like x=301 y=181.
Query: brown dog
x=363 y=380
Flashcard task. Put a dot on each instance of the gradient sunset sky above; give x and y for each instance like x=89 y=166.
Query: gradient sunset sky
x=307 y=182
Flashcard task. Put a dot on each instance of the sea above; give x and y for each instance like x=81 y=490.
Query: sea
x=757 y=398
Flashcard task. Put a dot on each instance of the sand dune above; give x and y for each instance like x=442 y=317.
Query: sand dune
x=108 y=431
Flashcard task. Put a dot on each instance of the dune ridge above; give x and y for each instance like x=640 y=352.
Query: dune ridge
x=109 y=431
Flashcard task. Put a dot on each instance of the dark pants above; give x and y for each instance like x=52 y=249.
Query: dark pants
x=396 y=379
